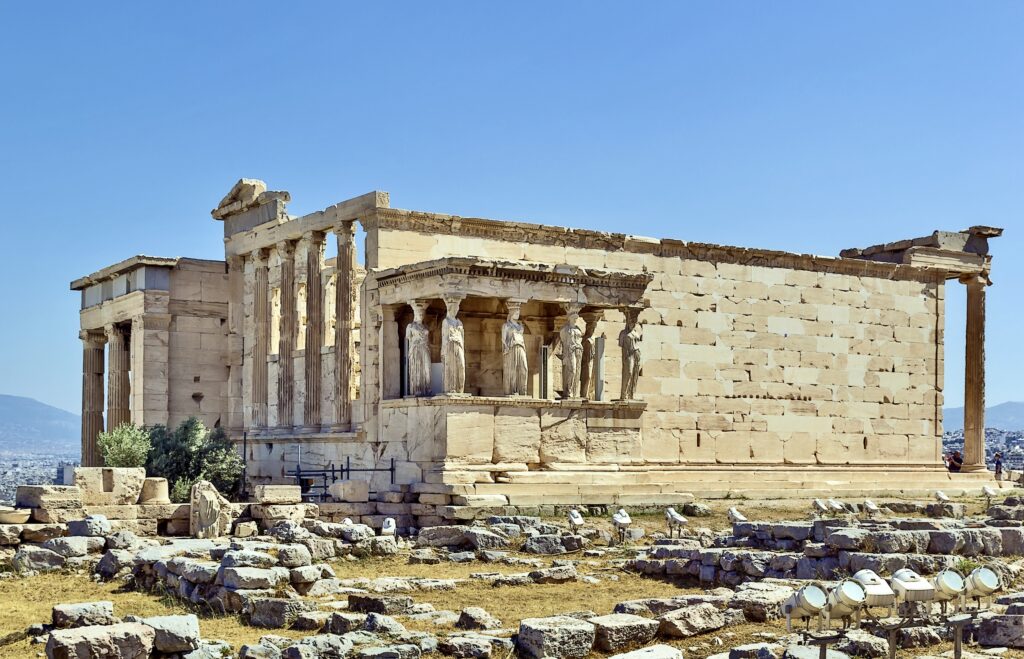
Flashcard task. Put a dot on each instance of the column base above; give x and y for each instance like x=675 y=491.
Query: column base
x=974 y=468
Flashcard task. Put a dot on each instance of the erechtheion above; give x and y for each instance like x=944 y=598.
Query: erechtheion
x=538 y=364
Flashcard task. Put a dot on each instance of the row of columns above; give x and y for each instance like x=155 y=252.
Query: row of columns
x=118 y=386
x=580 y=353
x=302 y=309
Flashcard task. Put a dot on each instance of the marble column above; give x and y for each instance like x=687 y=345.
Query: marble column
x=286 y=337
x=261 y=339
x=118 y=382
x=345 y=312
x=588 y=363
x=314 y=329
x=92 y=396
x=974 y=375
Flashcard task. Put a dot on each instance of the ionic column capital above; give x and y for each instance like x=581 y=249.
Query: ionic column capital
x=285 y=247
x=96 y=338
x=345 y=231
x=976 y=279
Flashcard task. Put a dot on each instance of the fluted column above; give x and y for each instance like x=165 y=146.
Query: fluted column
x=974 y=375
x=314 y=329
x=92 y=396
x=261 y=339
x=118 y=383
x=345 y=311
x=286 y=341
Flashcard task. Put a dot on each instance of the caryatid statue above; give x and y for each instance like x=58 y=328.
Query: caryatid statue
x=417 y=345
x=453 y=347
x=571 y=337
x=513 y=351
x=629 y=341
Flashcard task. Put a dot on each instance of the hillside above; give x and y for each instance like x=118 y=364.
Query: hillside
x=1005 y=416
x=28 y=426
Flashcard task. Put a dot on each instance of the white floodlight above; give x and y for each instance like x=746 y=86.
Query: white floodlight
x=941 y=497
x=844 y=601
x=347 y=521
x=675 y=521
x=910 y=586
x=949 y=585
x=871 y=507
x=735 y=516
x=877 y=591
x=804 y=604
x=621 y=522
x=389 y=527
x=989 y=493
x=820 y=506
x=980 y=583
x=575 y=520
x=837 y=506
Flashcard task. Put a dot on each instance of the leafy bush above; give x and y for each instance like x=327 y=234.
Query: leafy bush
x=190 y=453
x=124 y=446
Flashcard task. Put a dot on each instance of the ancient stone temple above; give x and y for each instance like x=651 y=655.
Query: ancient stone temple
x=537 y=363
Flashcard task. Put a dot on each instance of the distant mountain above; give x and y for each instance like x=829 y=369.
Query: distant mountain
x=1005 y=416
x=28 y=426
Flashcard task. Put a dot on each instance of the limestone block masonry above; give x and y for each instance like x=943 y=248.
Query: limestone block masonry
x=653 y=368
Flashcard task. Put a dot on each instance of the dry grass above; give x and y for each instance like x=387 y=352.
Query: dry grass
x=27 y=601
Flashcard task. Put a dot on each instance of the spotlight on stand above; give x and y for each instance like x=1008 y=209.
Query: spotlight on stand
x=844 y=602
x=989 y=493
x=877 y=592
x=575 y=520
x=980 y=584
x=949 y=586
x=837 y=506
x=389 y=527
x=621 y=522
x=910 y=586
x=941 y=497
x=804 y=604
x=675 y=522
x=821 y=507
x=735 y=516
x=871 y=508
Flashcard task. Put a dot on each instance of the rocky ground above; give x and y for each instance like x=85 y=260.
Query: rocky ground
x=516 y=585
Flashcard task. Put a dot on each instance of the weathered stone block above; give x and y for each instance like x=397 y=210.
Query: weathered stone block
x=620 y=631
x=128 y=639
x=557 y=636
x=109 y=486
x=277 y=494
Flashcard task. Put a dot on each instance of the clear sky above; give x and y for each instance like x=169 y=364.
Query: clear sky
x=808 y=127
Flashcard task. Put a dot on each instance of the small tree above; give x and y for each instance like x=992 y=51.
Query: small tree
x=190 y=453
x=124 y=446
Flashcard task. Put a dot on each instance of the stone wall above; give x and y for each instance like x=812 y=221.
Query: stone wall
x=197 y=372
x=750 y=357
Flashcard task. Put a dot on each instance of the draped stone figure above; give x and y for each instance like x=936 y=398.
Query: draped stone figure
x=513 y=350
x=571 y=337
x=453 y=348
x=417 y=345
x=588 y=376
x=629 y=340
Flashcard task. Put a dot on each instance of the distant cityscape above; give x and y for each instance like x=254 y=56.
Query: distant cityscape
x=1008 y=442
x=30 y=469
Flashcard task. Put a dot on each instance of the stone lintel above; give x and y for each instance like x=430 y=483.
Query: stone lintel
x=293 y=228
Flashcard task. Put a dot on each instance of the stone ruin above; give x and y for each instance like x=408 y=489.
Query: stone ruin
x=277 y=574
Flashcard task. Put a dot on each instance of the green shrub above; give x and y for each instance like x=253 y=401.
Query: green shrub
x=124 y=446
x=182 y=490
x=190 y=453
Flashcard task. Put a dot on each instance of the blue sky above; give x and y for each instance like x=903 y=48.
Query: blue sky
x=808 y=127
